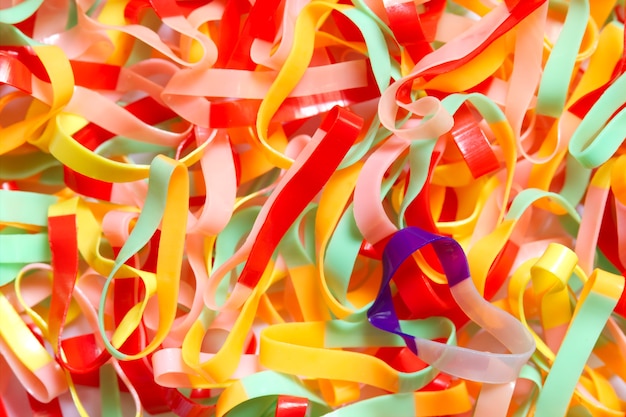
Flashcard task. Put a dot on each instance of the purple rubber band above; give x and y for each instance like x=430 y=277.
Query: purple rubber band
x=402 y=245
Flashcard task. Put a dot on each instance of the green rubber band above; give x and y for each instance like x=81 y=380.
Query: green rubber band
x=24 y=248
x=25 y=207
x=341 y=254
x=291 y=247
x=532 y=374
x=595 y=141
x=527 y=197
x=227 y=243
x=581 y=337
x=19 y=12
x=576 y=181
x=375 y=134
x=147 y=224
x=420 y=154
x=376 y=46
x=275 y=383
x=263 y=389
x=9 y=271
x=485 y=106
x=11 y=35
x=344 y=245
x=555 y=80
x=383 y=405
x=110 y=392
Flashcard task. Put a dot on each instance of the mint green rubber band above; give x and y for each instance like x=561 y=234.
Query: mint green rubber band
x=24 y=248
x=11 y=35
x=227 y=243
x=9 y=271
x=275 y=383
x=291 y=246
x=19 y=12
x=485 y=106
x=420 y=154
x=341 y=254
x=555 y=80
x=383 y=405
x=147 y=224
x=595 y=140
x=580 y=339
x=576 y=181
x=25 y=207
x=527 y=197
x=263 y=389
x=110 y=392
x=532 y=374
x=343 y=248
x=375 y=134
x=376 y=46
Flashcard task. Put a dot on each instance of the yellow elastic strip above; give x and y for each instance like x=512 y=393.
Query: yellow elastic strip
x=452 y=401
x=473 y=72
x=221 y=366
x=602 y=61
x=20 y=339
x=291 y=72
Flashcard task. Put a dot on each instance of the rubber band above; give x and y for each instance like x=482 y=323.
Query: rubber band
x=312 y=208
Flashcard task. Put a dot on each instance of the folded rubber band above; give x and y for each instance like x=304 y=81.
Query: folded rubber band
x=312 y=208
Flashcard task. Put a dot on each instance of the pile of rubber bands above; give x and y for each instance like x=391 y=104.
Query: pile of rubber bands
x=347 y=208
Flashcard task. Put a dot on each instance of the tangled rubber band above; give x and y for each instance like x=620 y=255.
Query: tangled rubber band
x=303 y=208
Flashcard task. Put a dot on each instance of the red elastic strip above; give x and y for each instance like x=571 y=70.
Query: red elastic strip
x=134 y=10
x=87 y=186
x=450 y=206
x=107 y=78
x=342 y=128
x=84 y=358
x=401 y=359
x=9 y=185
x=64 y=260
x=29 y=58
x=155 y=398
x=27 y=27
x=230 y=25
x=472 y=143
x=14 y=73
x=83 y=355
x=418 y=213
x=418 y=297
x=39 y=409
x=407 y=27
x=169 y=8
x=620 y=13
x=500 y=269
x=3 y=411
x=289 y=406
x=520 y=11
x=259 y=24
x=607 y=240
